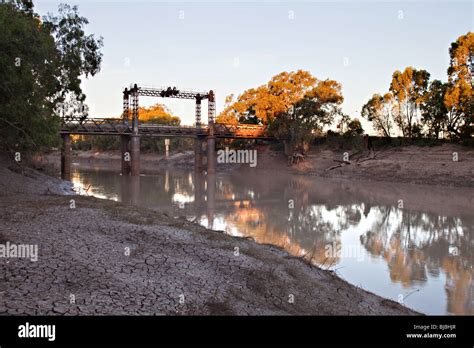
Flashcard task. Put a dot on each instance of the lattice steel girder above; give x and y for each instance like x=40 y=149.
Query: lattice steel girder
x=126 y=105
x=135 y=111
x=110 y=126
x=198 y=113
x=76 y=125
x=170 y=93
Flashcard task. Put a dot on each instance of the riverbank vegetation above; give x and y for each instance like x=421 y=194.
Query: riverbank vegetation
x=43 y=61
x=297 y=106
x=418 y=107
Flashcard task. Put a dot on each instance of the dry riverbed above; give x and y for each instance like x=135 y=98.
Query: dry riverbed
x=101 y=257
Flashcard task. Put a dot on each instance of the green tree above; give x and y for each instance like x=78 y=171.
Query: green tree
x=316 y=109
x=434 y=111
x=459 y=99
x=380 y=110
x=42 y=63
x=408 y=89
x=343 y=122
x=354 y=127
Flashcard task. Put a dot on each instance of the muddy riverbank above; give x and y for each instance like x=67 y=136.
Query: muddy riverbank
x=101 y=257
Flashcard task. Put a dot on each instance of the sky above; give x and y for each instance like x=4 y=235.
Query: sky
x=232 y=46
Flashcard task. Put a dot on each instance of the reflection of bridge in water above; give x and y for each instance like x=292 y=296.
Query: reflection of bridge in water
x=130 y=131
x=205 y=201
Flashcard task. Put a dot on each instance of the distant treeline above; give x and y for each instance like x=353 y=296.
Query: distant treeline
x=157 y=114
x=297 y=106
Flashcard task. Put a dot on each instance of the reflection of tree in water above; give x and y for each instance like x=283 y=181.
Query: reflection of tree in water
x=305 y=227
x=459 y=286
x=414 y=244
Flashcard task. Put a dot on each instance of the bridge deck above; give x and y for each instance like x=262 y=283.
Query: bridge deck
x=110 y=126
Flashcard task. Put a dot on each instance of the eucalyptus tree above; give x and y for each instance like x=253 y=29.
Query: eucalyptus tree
x=42 y=60
x=409 y=90
x=380 y=110
x=459 y=99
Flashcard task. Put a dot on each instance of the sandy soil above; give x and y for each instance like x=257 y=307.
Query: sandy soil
x=172 y=267
x=404 y=164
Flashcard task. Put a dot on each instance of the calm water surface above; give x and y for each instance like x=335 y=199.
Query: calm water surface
x=407 y=243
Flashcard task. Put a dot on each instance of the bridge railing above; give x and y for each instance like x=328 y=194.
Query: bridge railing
x=79 y=125
x=241 y=130
x=160 y=129
x=117 y=126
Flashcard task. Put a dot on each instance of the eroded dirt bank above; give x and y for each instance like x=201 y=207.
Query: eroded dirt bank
x=173 y=267
x=403 y=164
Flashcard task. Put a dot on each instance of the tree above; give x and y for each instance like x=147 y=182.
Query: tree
x=158 y=113
x=229 y=115
x=42 y=62
x=380 y=111
x=227 y=118
x=459 y=99
x=354 y=127
x=461 y=53
x=434 y=111
x=408 y=89
x=266 y=101
x=344 y=121
x=79 y=54
x=316 y=109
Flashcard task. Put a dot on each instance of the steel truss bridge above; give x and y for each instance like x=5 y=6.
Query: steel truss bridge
x=130 y=130
x=129 y=122
x=117 y=126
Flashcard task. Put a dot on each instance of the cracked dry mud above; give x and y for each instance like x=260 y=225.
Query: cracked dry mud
x=82 y=252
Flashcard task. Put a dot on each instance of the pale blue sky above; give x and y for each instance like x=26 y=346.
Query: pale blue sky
x=232 y=46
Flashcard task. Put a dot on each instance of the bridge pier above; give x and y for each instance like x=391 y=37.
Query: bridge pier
x=66 y=157
x=211 y=154
x=210 y=198
x=199 y=194
x=211 y=139
x=205 y=154
x=135 y=154
x=126 y=156
x=199 y=154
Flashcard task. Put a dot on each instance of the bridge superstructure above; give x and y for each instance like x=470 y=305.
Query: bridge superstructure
x=130 y=130
x=116 y=126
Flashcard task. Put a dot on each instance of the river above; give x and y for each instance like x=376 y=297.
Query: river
x=409 y=243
